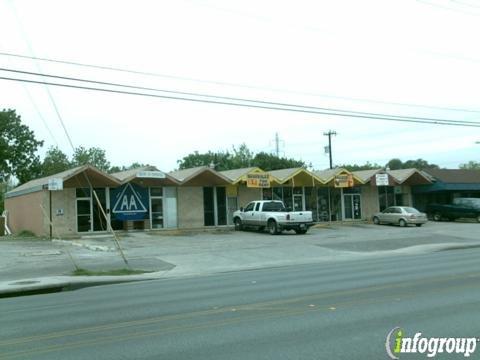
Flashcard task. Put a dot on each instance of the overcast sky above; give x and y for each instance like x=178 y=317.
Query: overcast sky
x=351 y=55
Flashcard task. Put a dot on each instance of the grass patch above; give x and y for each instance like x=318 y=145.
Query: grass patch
x=115 y=272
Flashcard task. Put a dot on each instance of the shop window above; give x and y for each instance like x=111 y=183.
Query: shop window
x=277 y=193
x=323 y=204
x=386 y=197
x=288 y=197
x=82 y=192
x=267 y=193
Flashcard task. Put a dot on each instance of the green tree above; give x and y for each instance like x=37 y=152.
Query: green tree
x=221 y=160
x=18 y=148
x=395 y=164
x=471 y=165
x=242 y=157
x=91 y=156
x=55 y=161
x=366 y=166
x=419 y=164
x=270 y=162
x=238 y=158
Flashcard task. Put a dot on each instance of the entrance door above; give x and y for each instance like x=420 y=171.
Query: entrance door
x=352 y=206
x=84 y=219
x=208 y=206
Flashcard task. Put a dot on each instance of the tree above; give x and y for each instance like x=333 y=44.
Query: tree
x=395 y=164
x=471 y=165
x=238 y=158
x=18 y=147
x=366 y=166
x=270 y=162
x=55 y=161
x=242 y=157
x=135 y=165
x=221 y=160
x=91 y=156
x=419 y=164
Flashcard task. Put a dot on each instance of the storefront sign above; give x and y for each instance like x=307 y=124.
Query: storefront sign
x=129 y=202
x=258 y=180
x=343 y=181
x=151 y=174
x=55 y=184
x=381 y=179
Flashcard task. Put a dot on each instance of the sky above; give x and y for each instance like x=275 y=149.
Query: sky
x=409 y=58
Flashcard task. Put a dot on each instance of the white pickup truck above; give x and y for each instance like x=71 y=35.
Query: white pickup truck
x=272 y=214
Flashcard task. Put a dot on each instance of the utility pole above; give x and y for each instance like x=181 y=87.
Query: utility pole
x=329 y=134
x=277 y=147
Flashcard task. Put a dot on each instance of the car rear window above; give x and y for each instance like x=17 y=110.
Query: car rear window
x=411 y=210
x=273 y=206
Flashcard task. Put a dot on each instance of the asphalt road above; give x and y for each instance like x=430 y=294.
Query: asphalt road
x=326 y=311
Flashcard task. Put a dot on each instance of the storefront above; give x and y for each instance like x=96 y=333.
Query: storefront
x=86 y=200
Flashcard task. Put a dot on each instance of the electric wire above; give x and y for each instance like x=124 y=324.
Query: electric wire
x=146 y=73
x=253 y=104
x=208 y=96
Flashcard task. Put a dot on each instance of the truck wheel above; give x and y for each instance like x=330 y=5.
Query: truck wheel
x=300 y=231
x=437 y=217
x=402 y=223
x=376 y=220
x=272 y=227
x=238 y=224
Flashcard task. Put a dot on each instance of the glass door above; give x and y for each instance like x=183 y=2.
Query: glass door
x=84 y=219
x=352 y=206
x=156 y=207
x=99 y=221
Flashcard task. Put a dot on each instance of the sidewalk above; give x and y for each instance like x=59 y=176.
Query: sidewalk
x=29 y=265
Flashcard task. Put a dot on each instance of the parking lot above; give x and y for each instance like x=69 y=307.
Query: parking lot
x=193 y=253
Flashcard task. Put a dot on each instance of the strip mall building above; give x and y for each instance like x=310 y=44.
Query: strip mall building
x=68 y=203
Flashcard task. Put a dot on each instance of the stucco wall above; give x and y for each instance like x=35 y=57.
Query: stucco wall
x=245 y=195
x=370 y=204
x=65 y=224
x=24 y=213
x=190 y=207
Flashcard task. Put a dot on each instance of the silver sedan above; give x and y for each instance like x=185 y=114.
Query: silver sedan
x=401 y=215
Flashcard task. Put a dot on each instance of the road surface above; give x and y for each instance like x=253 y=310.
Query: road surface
x=340 y=310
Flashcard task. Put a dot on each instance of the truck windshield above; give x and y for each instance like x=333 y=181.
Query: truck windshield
x=273 y=206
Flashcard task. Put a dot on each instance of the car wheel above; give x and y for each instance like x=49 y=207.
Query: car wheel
x=376 y=220
x=437 y=217
x=402 y=223
x=272 y=227
x=300 y=231
x=238 y=224
x=418 y=225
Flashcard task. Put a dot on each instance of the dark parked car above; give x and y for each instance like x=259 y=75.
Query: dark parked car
x=460 y=208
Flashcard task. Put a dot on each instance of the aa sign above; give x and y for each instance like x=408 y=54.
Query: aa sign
x=130 y=202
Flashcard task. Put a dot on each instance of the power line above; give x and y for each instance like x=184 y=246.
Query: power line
x=228 y=100
x=222 y=83
x=50 y=96
x=299 y=109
